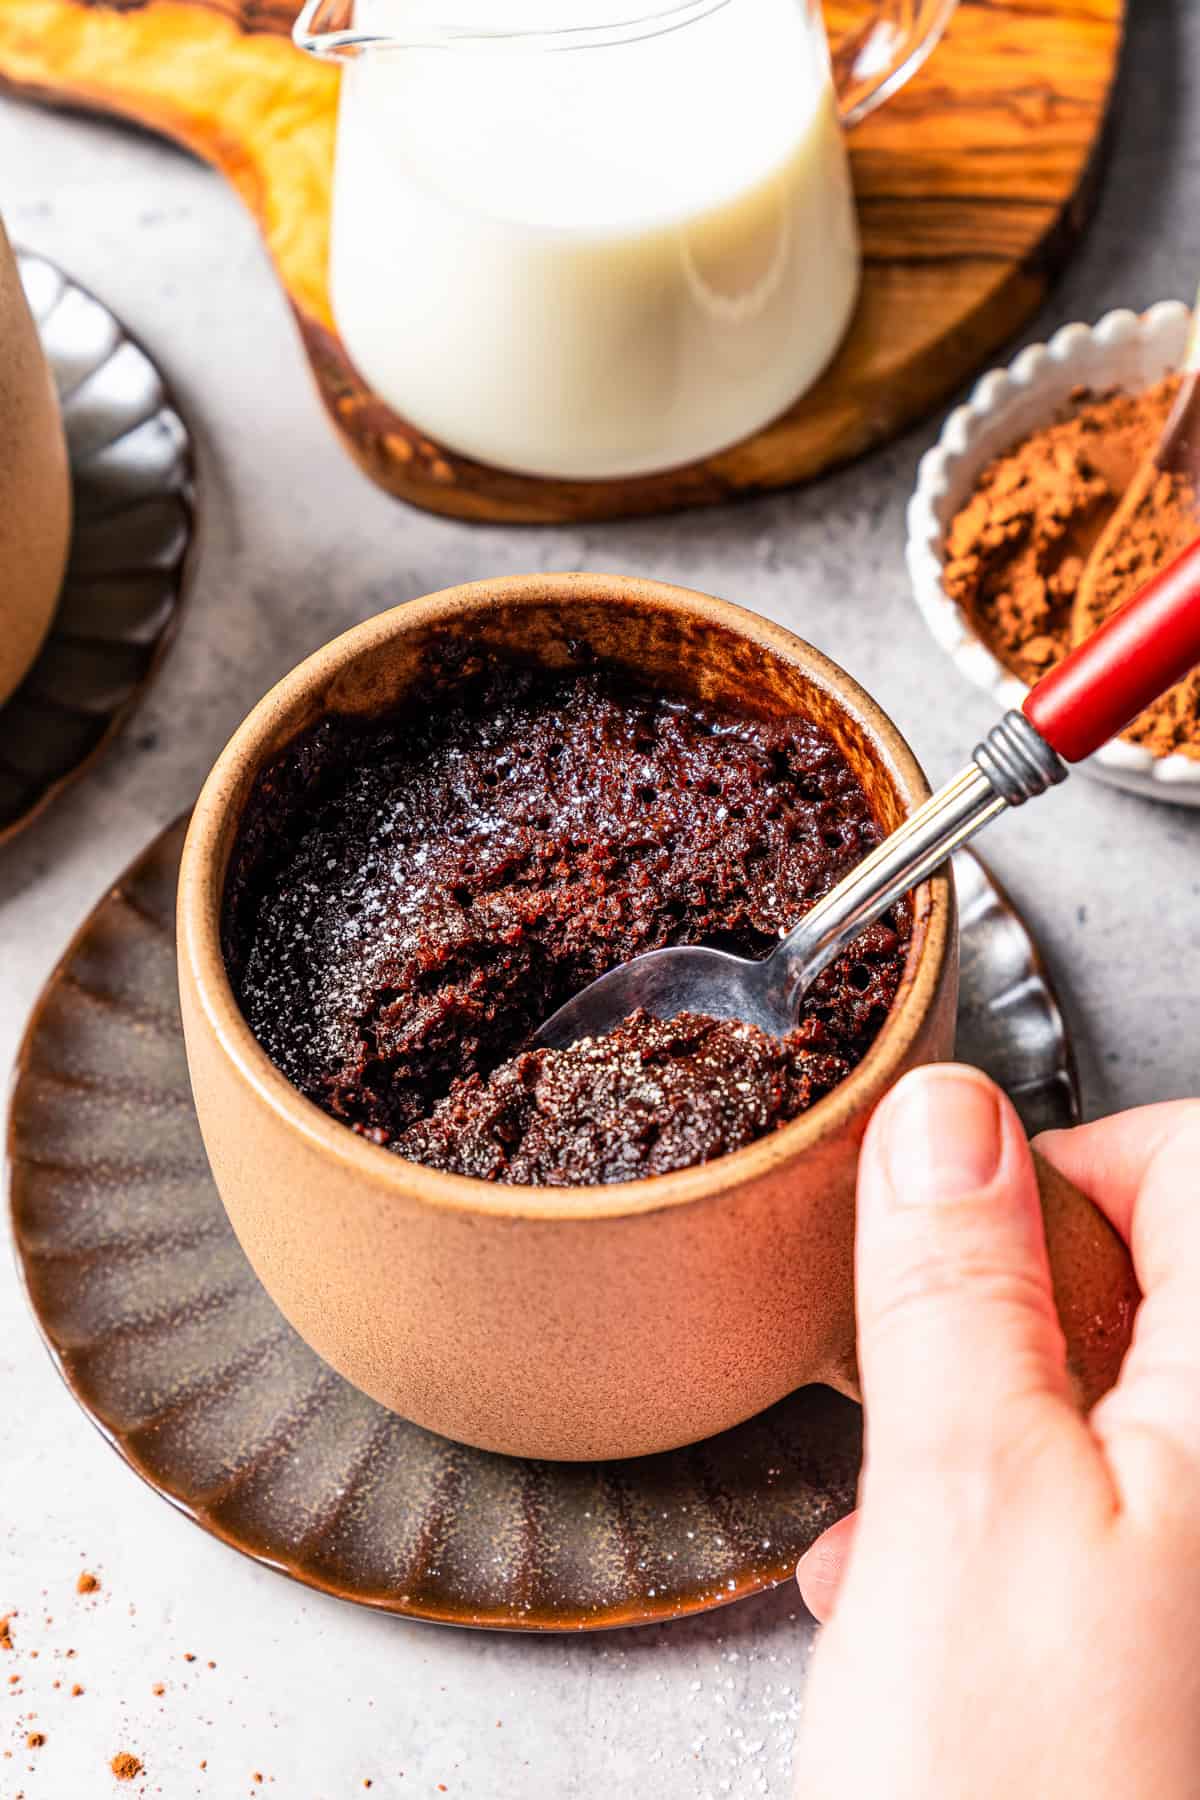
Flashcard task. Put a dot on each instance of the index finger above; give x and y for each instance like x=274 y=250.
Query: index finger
x=1143 y=1170
x=1109 y=1159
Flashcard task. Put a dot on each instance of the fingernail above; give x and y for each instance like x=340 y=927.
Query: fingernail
x=942 y=1137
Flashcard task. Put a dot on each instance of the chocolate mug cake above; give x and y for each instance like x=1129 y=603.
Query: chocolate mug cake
x=614 y=1318
x=410 y=896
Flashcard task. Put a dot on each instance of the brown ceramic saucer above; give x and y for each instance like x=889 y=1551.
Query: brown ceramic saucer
x=133 y=481
x=169 y=1343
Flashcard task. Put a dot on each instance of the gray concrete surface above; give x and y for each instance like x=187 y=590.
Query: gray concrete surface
x=297 y=545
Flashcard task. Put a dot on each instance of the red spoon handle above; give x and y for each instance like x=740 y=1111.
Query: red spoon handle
x=1148 y=645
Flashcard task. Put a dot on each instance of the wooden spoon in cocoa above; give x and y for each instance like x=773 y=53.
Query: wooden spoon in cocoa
x=1159 y=513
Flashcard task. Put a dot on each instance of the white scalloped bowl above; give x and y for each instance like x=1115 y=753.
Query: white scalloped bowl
x=1125 y=350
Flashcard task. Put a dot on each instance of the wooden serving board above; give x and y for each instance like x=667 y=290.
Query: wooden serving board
x=973 y=185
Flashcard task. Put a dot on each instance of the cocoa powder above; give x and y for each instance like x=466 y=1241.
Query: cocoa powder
x=1017 y=550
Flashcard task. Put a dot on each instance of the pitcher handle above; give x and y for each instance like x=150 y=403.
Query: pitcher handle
x=873 y=58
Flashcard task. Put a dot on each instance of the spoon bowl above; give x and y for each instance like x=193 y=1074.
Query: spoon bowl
x=665 y=983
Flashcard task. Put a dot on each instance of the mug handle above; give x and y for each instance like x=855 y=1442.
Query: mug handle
x=1095 y=1291
x=874 y=49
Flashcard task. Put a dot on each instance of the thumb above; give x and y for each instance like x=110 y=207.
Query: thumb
x=960 y=1349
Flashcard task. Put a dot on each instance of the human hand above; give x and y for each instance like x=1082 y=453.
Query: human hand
x=1015 y=1608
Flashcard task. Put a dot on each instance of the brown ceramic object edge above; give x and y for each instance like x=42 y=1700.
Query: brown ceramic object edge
x=188 y=497
x=35 y=485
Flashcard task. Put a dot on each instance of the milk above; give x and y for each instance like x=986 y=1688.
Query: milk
x=593 y=262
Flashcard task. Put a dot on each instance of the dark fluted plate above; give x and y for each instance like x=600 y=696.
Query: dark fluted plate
x=169 y=1343
x=132 y=474
x=1009 y=1019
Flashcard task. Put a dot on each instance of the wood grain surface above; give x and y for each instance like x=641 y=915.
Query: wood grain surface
x=973 y=185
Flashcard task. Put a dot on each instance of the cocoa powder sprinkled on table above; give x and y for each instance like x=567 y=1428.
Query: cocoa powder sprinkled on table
x=87 y=1583
x=125 y=1766
x=158 y=1688
x=6 y=1642
x=35 y=1740
x=76 y=1690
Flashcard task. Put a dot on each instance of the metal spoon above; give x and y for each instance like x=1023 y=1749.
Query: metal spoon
x=1144 y=649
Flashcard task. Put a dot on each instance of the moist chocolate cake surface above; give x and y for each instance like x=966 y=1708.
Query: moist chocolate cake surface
x=410 y=897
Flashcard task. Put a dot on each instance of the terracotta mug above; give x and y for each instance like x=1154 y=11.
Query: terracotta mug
x=598 y=1321
x=35 y=488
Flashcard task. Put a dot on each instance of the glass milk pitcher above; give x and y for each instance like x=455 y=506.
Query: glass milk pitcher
x=598 y=238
